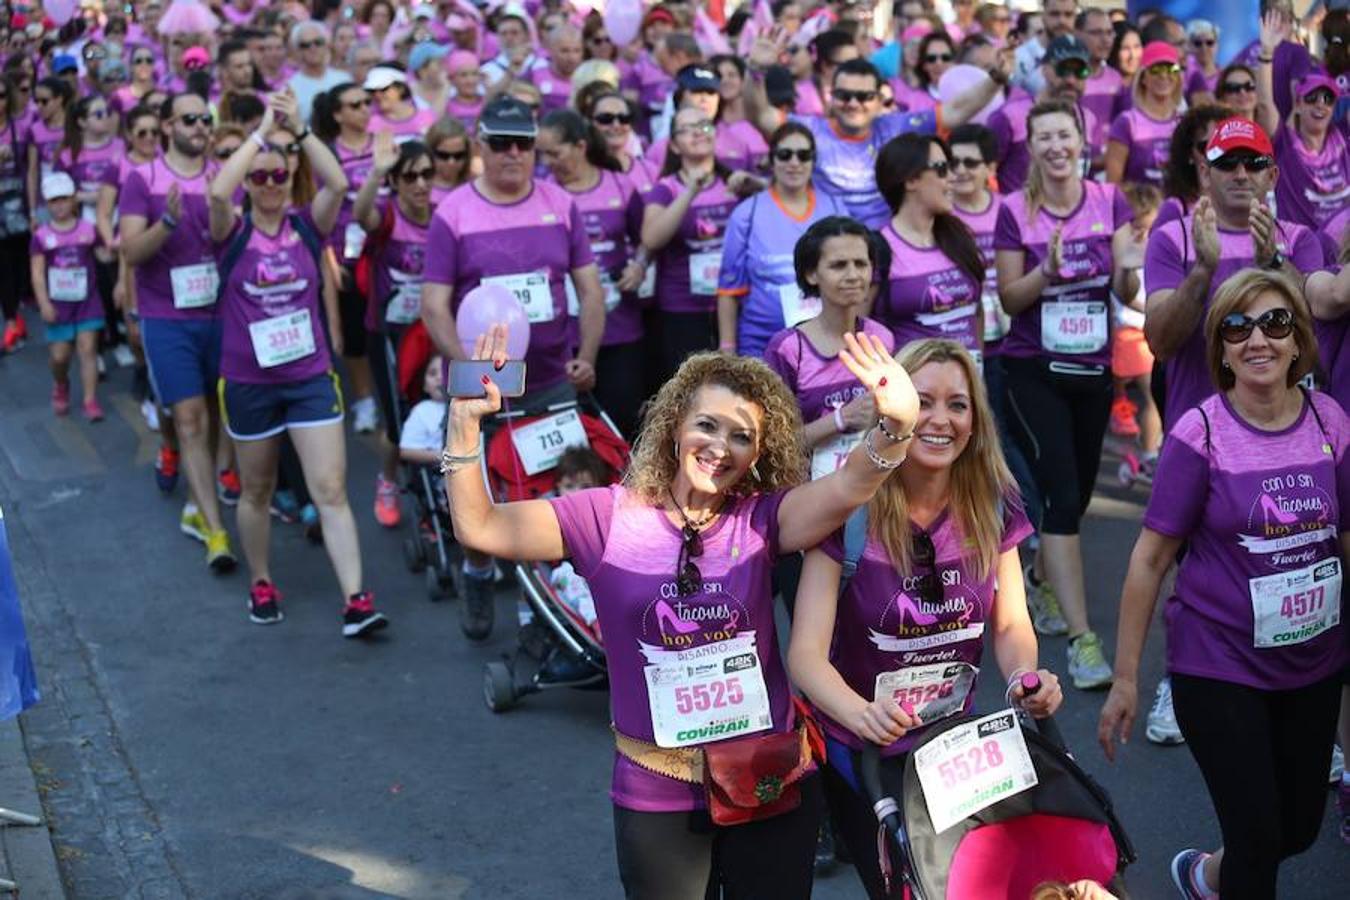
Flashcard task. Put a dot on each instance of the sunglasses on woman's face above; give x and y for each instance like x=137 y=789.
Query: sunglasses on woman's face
x=613 y=118
x=142 y=60
x=787 y=154
x=1237 y=87
x=939 y=168
x=452 y=155
x=688 y=578
x=143 y=133
x=417 y=175
x=1274 y=324
x=261 y=176
x=1161 y=69
x=1320 y=98
x=937 y=57
x=363 y=103
x=1203 y=42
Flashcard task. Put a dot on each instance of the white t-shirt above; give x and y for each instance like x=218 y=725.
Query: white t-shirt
x=423 y=428
x=307 y=88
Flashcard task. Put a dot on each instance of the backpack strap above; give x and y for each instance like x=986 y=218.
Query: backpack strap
x=855 y=539
x=235 y=249
x=1206 y=419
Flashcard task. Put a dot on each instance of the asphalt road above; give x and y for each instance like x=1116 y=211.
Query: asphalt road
x=184 y=752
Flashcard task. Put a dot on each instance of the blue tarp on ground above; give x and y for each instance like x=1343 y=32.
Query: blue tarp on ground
x=18 y=682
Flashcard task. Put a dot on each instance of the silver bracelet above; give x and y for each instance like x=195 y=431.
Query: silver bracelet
x=450 y=464
x=876 y=458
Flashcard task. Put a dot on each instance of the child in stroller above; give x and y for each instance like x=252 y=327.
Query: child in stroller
x=419 y=446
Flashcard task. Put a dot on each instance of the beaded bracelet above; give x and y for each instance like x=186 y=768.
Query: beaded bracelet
x=895 y=439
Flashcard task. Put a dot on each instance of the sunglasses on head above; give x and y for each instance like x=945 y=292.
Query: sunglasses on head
x=191 y=119
x=277 y=176
x=291 y=149
x=844 y=95
x=502 y=143
x=416 y=175
x=612 y=118
x=787 y=154
x=1252 y=164
x=1073 y=68
x=1237 y=87
x=310 y=45
x=688 y=578
x=1274 y=323
x=452 y=155
x=938 y=57
x=966 y=162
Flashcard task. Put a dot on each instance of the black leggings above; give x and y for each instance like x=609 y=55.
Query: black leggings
x=1059 y=422
x=684 y=856
x=15 y=278
x=683 y=334
x=1264 y=755
x=386 y=384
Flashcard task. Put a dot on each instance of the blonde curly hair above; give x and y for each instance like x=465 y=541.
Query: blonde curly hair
x=782 y=454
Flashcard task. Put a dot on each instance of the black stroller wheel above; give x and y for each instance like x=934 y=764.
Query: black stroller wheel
x=499 y=686
x=414 y=553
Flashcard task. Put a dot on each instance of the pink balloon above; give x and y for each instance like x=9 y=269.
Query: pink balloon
x=488 y=305
x=623 y=18
x=61 y=11
x=957 y=80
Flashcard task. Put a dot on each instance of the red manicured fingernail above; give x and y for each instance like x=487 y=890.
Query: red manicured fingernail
x=486 y=380
x=882 y=382
x=497 y=364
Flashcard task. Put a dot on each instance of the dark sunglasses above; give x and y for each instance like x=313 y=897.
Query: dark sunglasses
x=888 y=103
x=261 y=176
x=144 y=133
x=600 y=39
x=191 y=119
x=291 y=149
x=1320 y=98
x=937 y=57
x=416 y=176
x=363 y=103
x=220 y=152
x=846 y=96
x=1274 y=323
x=613 y=118
x=966 y=162
x=1073 y=68
x=787 y=154
x=1237 y=87
x=43 y=101
x=927 y=586
x=502 y=143
x=1203 y=42
x=1252 y=164
x=310 y=45
x=142 y=60
x=452 y=155
x=939 y=168
x=688 y=578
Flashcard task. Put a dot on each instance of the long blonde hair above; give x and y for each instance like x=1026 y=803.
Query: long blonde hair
x=782 y=453
x=1034 y=188
x=981 y=483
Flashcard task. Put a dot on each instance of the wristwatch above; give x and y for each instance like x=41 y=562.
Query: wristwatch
x=1276 y=261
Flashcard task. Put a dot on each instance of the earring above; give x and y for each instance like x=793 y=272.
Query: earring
x=1295 y=357
x=1225 y=364
x=754 y=471
x=677 y=449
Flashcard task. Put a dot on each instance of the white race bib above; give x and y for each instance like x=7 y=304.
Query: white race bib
x=68 y=285
x=194 y=286
x=796 y=308
x=542 y=442
x=931 y=692
x=353 y=240
x=1293 y=607
x=826 y=458
x=282 y=339
x=717 y=693
x=611 y=290
x=973 y=766
x=996 y=321
x=647 y=289
x=1074 y=326
x=703 y=271
x=532 y=290
x=405 y=305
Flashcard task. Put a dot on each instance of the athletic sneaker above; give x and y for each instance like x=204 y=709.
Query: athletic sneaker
x=1187 y=878
x=193 y=523
x=227 y=487
x=1337 y=765
x=123 y=356
x=264 y=604
x=478 y=611
x=1343 y=803
x=166 y=469
x=1087 y=663
x=359 y=617
x=150 y=412
x=285 y=506
x=1046 y=616
x=61 y=398
x=1123 y=421
x=309 y=520
x=387 y=511
x=92 y=410
x=15 y=334
x=365 y=415
x=1162 y=718
x=218 y=555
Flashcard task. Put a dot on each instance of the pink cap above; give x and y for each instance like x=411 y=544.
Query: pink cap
x=915 y=31
x=1316 y=81
x=461 y=59
x=1158 y=52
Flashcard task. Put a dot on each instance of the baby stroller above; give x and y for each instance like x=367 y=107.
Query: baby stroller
x=999 y=842
x=431 y=548
x=561 y=647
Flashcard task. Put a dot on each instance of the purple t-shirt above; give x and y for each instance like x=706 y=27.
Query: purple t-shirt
x=47 y=141
x=738 y=145
x=1009 y=125
x=528 y=246
x=757 y=265
x=1197 y=82
x=467 y=113
x=1290 y=63
x=981 y=226
x=611 y=213
x=397 y=273
x=71 y=284
x=1170 y=254
x=846 y=166
x=820 y=383
x=1071 y=320
x=180 y=281
x=1148 y=141
x=627 y=551
x=927 y=296
x=1101 y=97
x=653 y=87
x=272 y=329
x=348 y=237
x=555 y=90
x=95 y=167
x=1313 y=187
x=882 y=625
x=410 y=129
x=1260 y=511
x=687 y=267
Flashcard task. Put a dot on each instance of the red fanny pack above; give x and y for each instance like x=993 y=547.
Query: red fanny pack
x=755 y=777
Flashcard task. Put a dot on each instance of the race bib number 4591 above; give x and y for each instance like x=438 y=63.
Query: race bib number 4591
x=973 y=766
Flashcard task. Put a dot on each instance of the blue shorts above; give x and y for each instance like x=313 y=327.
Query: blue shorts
x=183 y=356
x=65 y=333
x=253 y=412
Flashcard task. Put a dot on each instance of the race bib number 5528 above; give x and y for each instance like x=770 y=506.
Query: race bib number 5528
x=973 y=766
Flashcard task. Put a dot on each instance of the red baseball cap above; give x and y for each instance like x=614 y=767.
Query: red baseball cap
x=1158 y=52
x=1237 y=133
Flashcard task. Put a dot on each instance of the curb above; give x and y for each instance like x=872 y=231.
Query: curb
x=26 y=854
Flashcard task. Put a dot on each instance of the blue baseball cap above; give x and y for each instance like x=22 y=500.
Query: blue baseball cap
x=64 y=63
x=424 y=53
